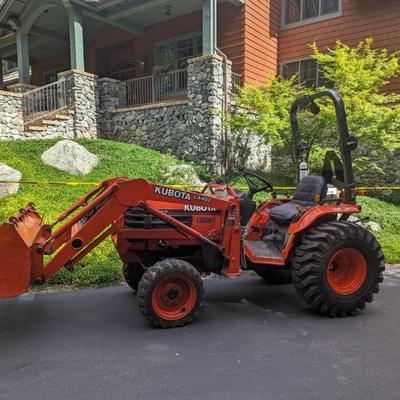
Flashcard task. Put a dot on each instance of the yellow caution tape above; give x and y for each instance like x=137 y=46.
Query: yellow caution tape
x=74 y=183
x=48 y=183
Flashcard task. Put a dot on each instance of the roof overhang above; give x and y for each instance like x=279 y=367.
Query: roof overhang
x=130 y=15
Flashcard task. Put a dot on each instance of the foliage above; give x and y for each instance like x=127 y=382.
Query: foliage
x=360 y=74
x=103 y=266
x=264 y=110
x=387 y=215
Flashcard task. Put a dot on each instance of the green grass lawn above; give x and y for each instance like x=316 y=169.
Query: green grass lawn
x=102 y=266
x=116 y=159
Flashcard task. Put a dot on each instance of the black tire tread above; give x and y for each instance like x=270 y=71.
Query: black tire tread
x=169 y=266
x=307 y=260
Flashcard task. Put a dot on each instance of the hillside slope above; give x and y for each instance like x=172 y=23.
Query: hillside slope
x=119 y=159
x=116 y=159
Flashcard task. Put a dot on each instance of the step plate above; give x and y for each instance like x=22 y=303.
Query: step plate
x=261 y=249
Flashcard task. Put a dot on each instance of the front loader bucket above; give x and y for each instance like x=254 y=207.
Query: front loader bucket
x=18 y=258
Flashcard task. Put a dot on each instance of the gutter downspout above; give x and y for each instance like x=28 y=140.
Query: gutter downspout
x=225 y=109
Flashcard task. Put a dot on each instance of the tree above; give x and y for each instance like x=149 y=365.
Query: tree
x=359 y=73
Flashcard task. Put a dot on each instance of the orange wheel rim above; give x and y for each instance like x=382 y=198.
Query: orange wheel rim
x=174 y=297
x=347 y=270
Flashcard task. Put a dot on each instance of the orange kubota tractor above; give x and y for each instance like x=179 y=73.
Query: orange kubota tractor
x=167 y=237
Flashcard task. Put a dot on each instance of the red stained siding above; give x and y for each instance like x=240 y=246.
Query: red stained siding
x=360 y=19
x=251 y=36
x=231 y=35
x=262 y=23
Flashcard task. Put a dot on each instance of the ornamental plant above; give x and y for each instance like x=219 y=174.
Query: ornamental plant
x=361 y=74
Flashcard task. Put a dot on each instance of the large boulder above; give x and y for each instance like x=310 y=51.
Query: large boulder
x=182 y=174
x=10 y=175
x=71 y=157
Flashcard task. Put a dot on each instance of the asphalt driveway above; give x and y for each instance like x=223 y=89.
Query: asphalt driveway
x=251 y=342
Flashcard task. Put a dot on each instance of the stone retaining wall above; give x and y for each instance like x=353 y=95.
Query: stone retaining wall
x=63 y=129
x=282 y=165
x=83 y=97
x=192 y=129
x=11 y=121
x=162 y=127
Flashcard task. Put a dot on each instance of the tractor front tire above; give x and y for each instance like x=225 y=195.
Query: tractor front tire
x=170 y=293
x=337 y=268
x=132 y=274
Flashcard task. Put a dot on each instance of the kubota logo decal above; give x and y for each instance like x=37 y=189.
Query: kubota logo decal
x=169 y=192
x=190 y=208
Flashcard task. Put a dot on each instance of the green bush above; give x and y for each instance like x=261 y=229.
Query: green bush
x=360 y=74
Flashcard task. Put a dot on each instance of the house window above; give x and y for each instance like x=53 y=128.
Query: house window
x=9 y=66
x=307 y=71
x=174 y=53
x=52 y=75
x=299 y=12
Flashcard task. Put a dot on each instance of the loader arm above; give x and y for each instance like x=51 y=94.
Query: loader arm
x=90 y=221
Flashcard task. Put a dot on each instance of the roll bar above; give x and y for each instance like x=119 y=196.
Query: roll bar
x=347 y=142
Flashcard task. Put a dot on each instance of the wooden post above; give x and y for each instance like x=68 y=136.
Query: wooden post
x=76 y=42
x=23 y=57
x=209 y=27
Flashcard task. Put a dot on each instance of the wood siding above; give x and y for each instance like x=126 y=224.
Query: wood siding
x=262 y=24
x=231 y=35
x=360 y=19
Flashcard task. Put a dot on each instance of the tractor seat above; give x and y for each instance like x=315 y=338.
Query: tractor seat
x=310 y=190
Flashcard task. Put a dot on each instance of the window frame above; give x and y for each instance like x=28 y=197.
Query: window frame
x=175 y=40
x=307 y=21
x=299 y=60
x=53 y=71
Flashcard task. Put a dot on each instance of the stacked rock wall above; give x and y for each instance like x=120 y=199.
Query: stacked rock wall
x=11 y=121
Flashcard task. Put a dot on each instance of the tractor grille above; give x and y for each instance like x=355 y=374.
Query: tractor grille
x=137 y=218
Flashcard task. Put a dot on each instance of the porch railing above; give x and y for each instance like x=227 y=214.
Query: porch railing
x=236 y=82
x=45 y=99
x=157 y=88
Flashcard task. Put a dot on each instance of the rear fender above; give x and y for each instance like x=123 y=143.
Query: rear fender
x=310 y=216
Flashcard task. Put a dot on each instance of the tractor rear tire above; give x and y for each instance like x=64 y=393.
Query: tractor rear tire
x=337 y=268
x=132 y=274
x=274 y=276
x=170 y=293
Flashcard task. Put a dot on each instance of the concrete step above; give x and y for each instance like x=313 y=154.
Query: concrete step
x=34 y=128
x=62 y=117
x=50 y=122
x=37 y=118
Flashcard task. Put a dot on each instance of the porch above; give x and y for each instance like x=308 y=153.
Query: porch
x=125 y=40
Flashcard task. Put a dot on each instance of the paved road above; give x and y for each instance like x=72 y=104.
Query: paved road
x=251 y=342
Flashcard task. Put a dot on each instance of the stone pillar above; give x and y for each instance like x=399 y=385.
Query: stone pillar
x=112 y=96
x=1 y=74
x=206 y=93
x=83 y=100
x=23 y=57
x=11 y=119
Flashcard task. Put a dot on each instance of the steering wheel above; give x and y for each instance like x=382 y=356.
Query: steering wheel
x=255 y=188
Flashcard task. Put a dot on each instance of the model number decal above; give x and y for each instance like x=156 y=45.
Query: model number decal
x=205 y=220
x=199 y=197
